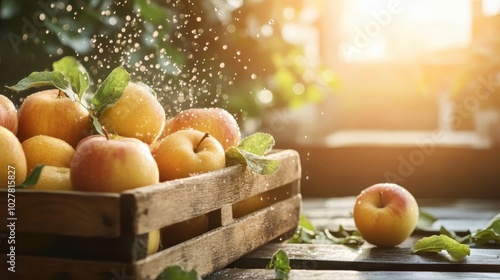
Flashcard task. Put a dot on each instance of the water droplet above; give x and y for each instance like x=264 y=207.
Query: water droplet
x=271 y=22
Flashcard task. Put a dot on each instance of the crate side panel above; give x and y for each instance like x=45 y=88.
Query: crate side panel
x=174 y=201
x=65 y=213
x=218 y=248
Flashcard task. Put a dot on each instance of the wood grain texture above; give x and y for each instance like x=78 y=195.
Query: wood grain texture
x=166 y=203
x=252 y=274
x=340 y=257
x=205 y=253
x=215 y=249
x=65 y=213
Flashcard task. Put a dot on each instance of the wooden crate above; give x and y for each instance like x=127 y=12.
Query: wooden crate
x=122 y=222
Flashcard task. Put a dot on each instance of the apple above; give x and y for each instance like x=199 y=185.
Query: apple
x=217 y=121
x=188 y=152
x=47 y=150
x=138 y=114
x=385 y=214
x=154 y=241
x=52 y=113
x=13 y=167
x=53 y=178
x=112 y=164
x=8 y=114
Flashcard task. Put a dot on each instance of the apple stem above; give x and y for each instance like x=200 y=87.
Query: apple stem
x=380 y=197
x=106 y=133
x=61 y=94
x=201 y=140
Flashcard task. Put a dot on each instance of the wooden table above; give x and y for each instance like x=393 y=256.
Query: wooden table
x=368 y=262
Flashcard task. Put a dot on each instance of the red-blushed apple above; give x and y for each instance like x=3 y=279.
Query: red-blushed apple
x=385 y=214
x=217 y=121
x=52 y=113
x=8 y=114
x=188 y=152
x=108 y=164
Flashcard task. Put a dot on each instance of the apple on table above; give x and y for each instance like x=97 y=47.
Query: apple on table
x=385 y=214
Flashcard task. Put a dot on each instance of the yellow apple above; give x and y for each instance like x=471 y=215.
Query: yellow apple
x=385 y=214
x=154 y=241
x=13 y=167
x=8 y=114
x=53 y=178
x=47 y=150
x=104 y=164
x=218 y=122
x=50 y=112
x=188 y=152
x=138 y=114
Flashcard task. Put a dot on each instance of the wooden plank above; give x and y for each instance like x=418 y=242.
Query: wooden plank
x=251 y=274
x=65 y=213
x=217 y=248
x=338 y=257
x=205 y=253
x=166 y=203
x=30 y=267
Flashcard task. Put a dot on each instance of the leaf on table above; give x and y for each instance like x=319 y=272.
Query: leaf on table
x=437 y=243
x=467 y=239
x=342 y=237
x=425 y=220
x=177 y=273
x=281 y=264
x=491 y=234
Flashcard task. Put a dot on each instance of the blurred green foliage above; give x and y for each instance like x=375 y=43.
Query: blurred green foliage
x=192 y=52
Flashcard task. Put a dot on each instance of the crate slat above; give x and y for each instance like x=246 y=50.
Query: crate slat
x=166 y=203
x=205 y=253
x=104 y=235
x=66 y=213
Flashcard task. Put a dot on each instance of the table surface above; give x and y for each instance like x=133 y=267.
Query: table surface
x=324 y=261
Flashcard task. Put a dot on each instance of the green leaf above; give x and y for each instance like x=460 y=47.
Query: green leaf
x=97 y=125
x=46 y=78
x=342 y=237
x=32 y=179
x=110 y=90
x=281 y=264
x=425 y=220
x=305 y=223
x=251 y=151
x=494 y=224
x=486 y=236
x=258 y=143
x=177 y=273
x=74 y=71
x=260 y=164
x=467 y=239
x=437 y=243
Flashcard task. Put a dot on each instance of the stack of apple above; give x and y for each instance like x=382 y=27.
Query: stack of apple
x=115 y=139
